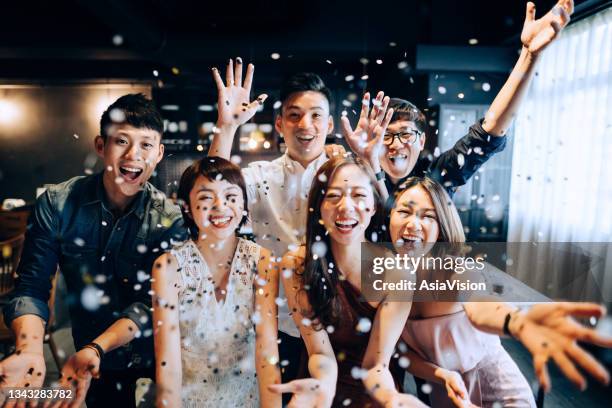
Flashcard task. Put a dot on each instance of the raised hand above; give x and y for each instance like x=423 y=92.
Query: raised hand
x=77 y=374
x=366 y=139
x=537 y=34
x=548 y=331
x=233 y=102
x=23 y=370
x=307 y=392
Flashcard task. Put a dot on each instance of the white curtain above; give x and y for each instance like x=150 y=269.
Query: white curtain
x=561 y=188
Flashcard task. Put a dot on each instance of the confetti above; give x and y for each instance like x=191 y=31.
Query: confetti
x=117 y=40
x=426 y=388
x=349 y=78
x=473 y=41
x=441 y=90
x=402 y=65
x=486 y=86
x=379 y=61
x=364 y=325
x=275 y=55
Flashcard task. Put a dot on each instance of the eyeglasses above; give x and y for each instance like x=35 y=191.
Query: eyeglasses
x=404 y=137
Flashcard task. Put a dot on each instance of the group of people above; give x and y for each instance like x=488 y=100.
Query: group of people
x=173 y=293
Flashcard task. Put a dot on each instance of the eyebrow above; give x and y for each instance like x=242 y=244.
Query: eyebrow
x=300 y=108
x=208 y=190
x=409 y=204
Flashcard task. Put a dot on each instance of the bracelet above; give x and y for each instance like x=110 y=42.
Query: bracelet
x=380 y=175
x=97 y=348
x=507 y=325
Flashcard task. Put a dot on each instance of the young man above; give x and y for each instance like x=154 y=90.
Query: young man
x=104 y=232
x=405 y=136
x=278 y=189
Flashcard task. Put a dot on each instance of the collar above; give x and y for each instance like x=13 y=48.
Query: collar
x=96 y=194
x=295 y=165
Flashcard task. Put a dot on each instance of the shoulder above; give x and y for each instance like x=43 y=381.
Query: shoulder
x=162 y=204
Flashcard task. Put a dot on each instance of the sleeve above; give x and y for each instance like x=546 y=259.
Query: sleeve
x=251 y=179
x=454 y=167
x=139 y=311
x=38 y=263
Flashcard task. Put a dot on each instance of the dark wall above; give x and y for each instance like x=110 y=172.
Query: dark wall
x=48 y=135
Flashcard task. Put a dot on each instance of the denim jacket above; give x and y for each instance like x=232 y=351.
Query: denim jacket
x=106 y=261
x=476 y=147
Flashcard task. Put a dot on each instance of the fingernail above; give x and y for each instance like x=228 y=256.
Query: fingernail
x=239 y=60
x=214 y=68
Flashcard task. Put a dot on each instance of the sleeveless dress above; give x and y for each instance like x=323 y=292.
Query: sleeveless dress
x=490 y=375
x=217 y=338
x=349 y=345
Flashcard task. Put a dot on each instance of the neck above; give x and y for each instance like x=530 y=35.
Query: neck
x=217 y=251
x=116 y=199
x=303 y=162
x=394 y=180
x=345 y=258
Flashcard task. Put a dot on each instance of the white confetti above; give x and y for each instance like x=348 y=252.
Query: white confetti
x=349 y=78
x=403 y=362
x=364 y=325
x=90 y=299
x=117 y=115
x=275 y=55
x=117 y=40
x=441 y=90
x=486 y=86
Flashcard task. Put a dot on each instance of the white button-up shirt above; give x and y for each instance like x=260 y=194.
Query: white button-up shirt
x=278 y=206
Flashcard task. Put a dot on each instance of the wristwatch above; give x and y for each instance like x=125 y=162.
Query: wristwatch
x=380 y=175
x=97 y=348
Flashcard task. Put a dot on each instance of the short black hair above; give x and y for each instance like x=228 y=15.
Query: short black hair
x=133 y=109
x=303 y=82
x=405 y=110
x=213 y=168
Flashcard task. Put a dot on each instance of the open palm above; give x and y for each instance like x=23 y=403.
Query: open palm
x=23 y=370
x=366 y=139
x=537 y=34
x=548 y=331
x=234 y=108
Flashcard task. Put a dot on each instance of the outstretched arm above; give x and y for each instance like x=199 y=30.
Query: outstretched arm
x=536 y=36
x=233 y=106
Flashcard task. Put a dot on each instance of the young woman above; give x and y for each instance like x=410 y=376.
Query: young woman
x=214 y=301
x=322 y=280
x=463 y=337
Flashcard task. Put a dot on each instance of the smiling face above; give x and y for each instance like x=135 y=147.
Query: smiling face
x=304 y=123
x=130 y=155
x=216 y=208
x=348 y=205
x=414 y=218
x=398 y=159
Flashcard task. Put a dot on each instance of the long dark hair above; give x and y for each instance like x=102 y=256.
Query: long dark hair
x=321 y=283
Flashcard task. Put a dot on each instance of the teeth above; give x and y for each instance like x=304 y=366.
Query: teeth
x=398 y=156
x=413 y=239
x=132 y=169
x=306 y=137
x=220 y=220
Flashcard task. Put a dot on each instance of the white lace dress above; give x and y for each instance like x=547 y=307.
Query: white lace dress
x=217 y=338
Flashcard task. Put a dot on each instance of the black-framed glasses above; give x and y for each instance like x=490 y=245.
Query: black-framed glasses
x=404 y=137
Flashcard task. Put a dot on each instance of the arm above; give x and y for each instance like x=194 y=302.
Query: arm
x=166 y=335
x=428 y=371
x=366 y=139
x=28 y=311
x=233 y=106
x=536 y=35
x=319 y=390
x=386 y=331
x=266 y=347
